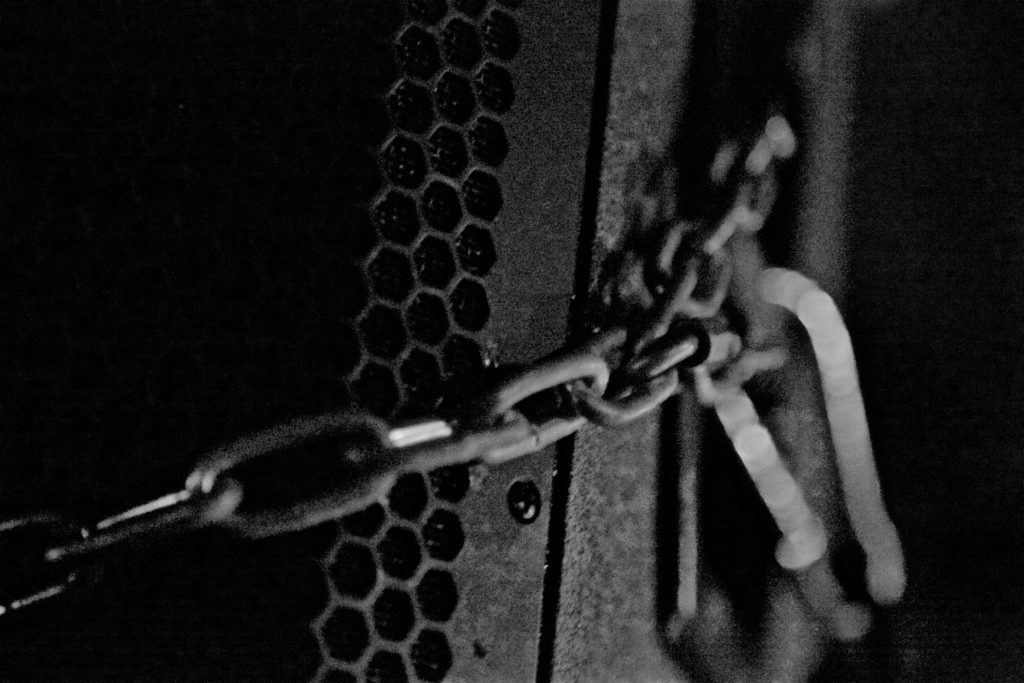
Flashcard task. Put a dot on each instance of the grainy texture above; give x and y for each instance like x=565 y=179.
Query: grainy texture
x=606 y=623
x=936 y=231
x=220 y=214
x=647 y=70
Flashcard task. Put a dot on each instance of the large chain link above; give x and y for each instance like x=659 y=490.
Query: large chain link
x=665 y=290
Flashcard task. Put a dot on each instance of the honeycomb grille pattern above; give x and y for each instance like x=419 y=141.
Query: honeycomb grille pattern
x=416 y=334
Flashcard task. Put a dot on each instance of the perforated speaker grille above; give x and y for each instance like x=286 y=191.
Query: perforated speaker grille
x=218 y=216
x=221 y=215
x=417 y=335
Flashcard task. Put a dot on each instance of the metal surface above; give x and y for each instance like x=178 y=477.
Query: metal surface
x=532 y=287
x=744 y=76
x=201 y=232
x=606 y=620
x=307 y=471
x=380 y=367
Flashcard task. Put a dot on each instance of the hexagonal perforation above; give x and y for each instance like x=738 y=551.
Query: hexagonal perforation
x=408 y=496
x=383 y=332
x=396 y=218
x=454 y=97
x=450 y=484
x=386 y=667
x=461 y=44
x=435 y=265
x=501 y=34
x=469 y=305
x=399 y=552
x=418 y=53
x=441 y=206
x=410 y=107
x=376 y=389
x=391 y=275
x=442 y=535
x=365 y=523
x=462 y=359
x=393 y=615
x=427 y=318
x=421 y=374
x=493 y=85
x=488 y=140
x=476 y=250
x=346 y=635
x=469 y=7
x=448 y=153
x=353 y=570
x=431 y=655
x=437 y=595
x=483 y=195
x=428 y=11
x=404 y=162
x=415 y=340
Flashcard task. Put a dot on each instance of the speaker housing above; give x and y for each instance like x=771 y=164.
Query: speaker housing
x=219 y=215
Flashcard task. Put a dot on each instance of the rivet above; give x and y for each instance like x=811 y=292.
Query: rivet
x=524 y=501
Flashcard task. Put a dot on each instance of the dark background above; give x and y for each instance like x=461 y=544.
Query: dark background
x=218 y=215
x=209 y=339
x=912 y=217
x=936 y=307
x=177 y=183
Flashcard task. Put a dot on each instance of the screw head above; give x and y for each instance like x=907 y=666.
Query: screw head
x=524 y=501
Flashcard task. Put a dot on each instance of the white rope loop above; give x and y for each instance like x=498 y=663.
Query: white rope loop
x=804 y=541
x=844 y=405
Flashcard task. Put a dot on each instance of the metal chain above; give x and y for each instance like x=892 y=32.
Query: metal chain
x=666 y=287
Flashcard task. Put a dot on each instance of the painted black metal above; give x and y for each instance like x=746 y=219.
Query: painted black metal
x=218 y=216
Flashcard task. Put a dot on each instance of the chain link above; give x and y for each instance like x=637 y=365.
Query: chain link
x=667 y=286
